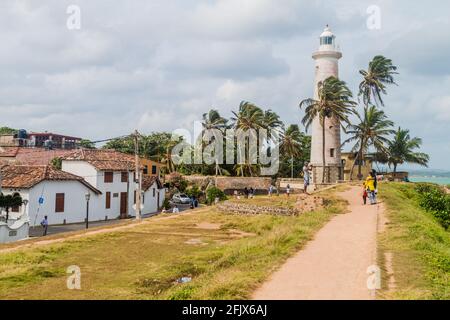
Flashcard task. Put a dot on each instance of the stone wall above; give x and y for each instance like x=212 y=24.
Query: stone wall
x=229 y=184
x=250 y=209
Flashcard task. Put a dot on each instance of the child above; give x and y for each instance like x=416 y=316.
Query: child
x=364 y=194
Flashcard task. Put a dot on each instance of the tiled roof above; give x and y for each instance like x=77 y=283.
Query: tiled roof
x=103 y=159
x=148 y=181
x=25 y=177
x=32 y=156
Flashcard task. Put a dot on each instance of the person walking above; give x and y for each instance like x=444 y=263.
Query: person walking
x=370 y=187
x=251 y=192
x=270 y=190
x=246 y=193
x=288 y=190
x=306 y=177
x=44 y=224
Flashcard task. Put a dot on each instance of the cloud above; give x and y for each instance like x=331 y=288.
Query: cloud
x=159 y=65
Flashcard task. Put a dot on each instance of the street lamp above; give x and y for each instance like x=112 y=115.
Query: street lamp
x=87 y=196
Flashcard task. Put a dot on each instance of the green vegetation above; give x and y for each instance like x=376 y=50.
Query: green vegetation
x=419 y=245
x=435 y=200
x=213 y=193
x=7 y=130
x=227 y=257
x=9 y=201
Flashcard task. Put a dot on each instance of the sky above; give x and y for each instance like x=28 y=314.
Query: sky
x=158 y=65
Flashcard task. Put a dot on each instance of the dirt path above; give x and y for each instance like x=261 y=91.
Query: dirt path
x=334 y=264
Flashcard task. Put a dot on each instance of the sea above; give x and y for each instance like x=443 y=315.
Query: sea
x=432 y=179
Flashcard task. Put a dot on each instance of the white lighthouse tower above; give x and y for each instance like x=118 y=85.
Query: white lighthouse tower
x=327 y=64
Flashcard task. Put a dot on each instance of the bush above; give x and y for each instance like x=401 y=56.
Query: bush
x=213 y=193
x=194 y=191
x=435 y=200
x=166 y=204
x=176 y=181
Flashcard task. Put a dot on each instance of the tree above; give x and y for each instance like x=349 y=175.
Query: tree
x=373 y=129
x=291 y=142
x=10 y=201
x=249 y=117
x=401 y=149
x=381 y=71
x=334 y=102
x=7 y=130
x=86 y=144
x=214 y=121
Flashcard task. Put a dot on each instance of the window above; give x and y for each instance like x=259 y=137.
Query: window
x=154 y=169
x=326 y=40
x=145 y=171
x=124 y=177
x=59 y=202
x=108 y=200
x=331 y=153
x=109 y=177
x=15 y=209
x=154 y=192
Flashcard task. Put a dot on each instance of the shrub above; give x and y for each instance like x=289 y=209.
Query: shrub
x=435 y=200
x=213 y=193
x=166 y=204
x=176 y=180
x=194 y=191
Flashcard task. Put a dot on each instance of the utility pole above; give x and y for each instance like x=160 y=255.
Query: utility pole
x=137 y=176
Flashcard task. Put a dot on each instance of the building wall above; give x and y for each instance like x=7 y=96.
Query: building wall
x=149 y=164
x=82 y=169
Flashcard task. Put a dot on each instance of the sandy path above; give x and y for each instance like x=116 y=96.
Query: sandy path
x=334 y=264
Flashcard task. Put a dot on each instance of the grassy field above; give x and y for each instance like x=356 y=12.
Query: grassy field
x=227 y=257
x=420 y=247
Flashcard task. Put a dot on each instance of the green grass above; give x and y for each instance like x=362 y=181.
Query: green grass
x=419 y=244
x=144 y=262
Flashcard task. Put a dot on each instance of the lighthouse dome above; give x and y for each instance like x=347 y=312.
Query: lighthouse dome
x=327 y=38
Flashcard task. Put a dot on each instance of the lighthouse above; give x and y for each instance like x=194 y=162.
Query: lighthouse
x=326 y=65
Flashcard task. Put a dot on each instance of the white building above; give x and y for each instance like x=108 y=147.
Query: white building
x=112 y=173
x=326 y=65
x=49 y=192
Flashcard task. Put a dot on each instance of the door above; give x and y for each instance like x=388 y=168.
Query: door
x=123 y=204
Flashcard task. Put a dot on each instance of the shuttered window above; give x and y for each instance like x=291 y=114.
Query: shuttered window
x=59 y=202
x=108 y=200
x=124 y=177
x=108 y=177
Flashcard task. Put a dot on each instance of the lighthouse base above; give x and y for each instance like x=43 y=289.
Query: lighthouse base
x=332 y=174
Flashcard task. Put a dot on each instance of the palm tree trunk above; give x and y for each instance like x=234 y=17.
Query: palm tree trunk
x=323 y=150
x=292 y=167
x=360 y=156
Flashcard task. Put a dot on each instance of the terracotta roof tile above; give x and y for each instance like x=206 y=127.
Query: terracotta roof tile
x=148 y=181
x=103 y=159
x=32 y=156
x=25 y=177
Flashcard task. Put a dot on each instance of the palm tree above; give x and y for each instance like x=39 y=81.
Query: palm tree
x=271 y=120
x=214 y=121
x=291 y=144
x=401 y=149
x=334 y=102
x=373 y=129
x=249 y=117
x=381 y=71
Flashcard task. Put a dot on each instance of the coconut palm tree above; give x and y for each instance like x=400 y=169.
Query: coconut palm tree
x=249 y=117
x=290 y=145
x=373 y=130
x=381 y=72
x=334 y=102
x=401 y=149
x=214 y=121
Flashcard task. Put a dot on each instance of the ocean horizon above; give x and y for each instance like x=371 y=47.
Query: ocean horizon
x=431 y=179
